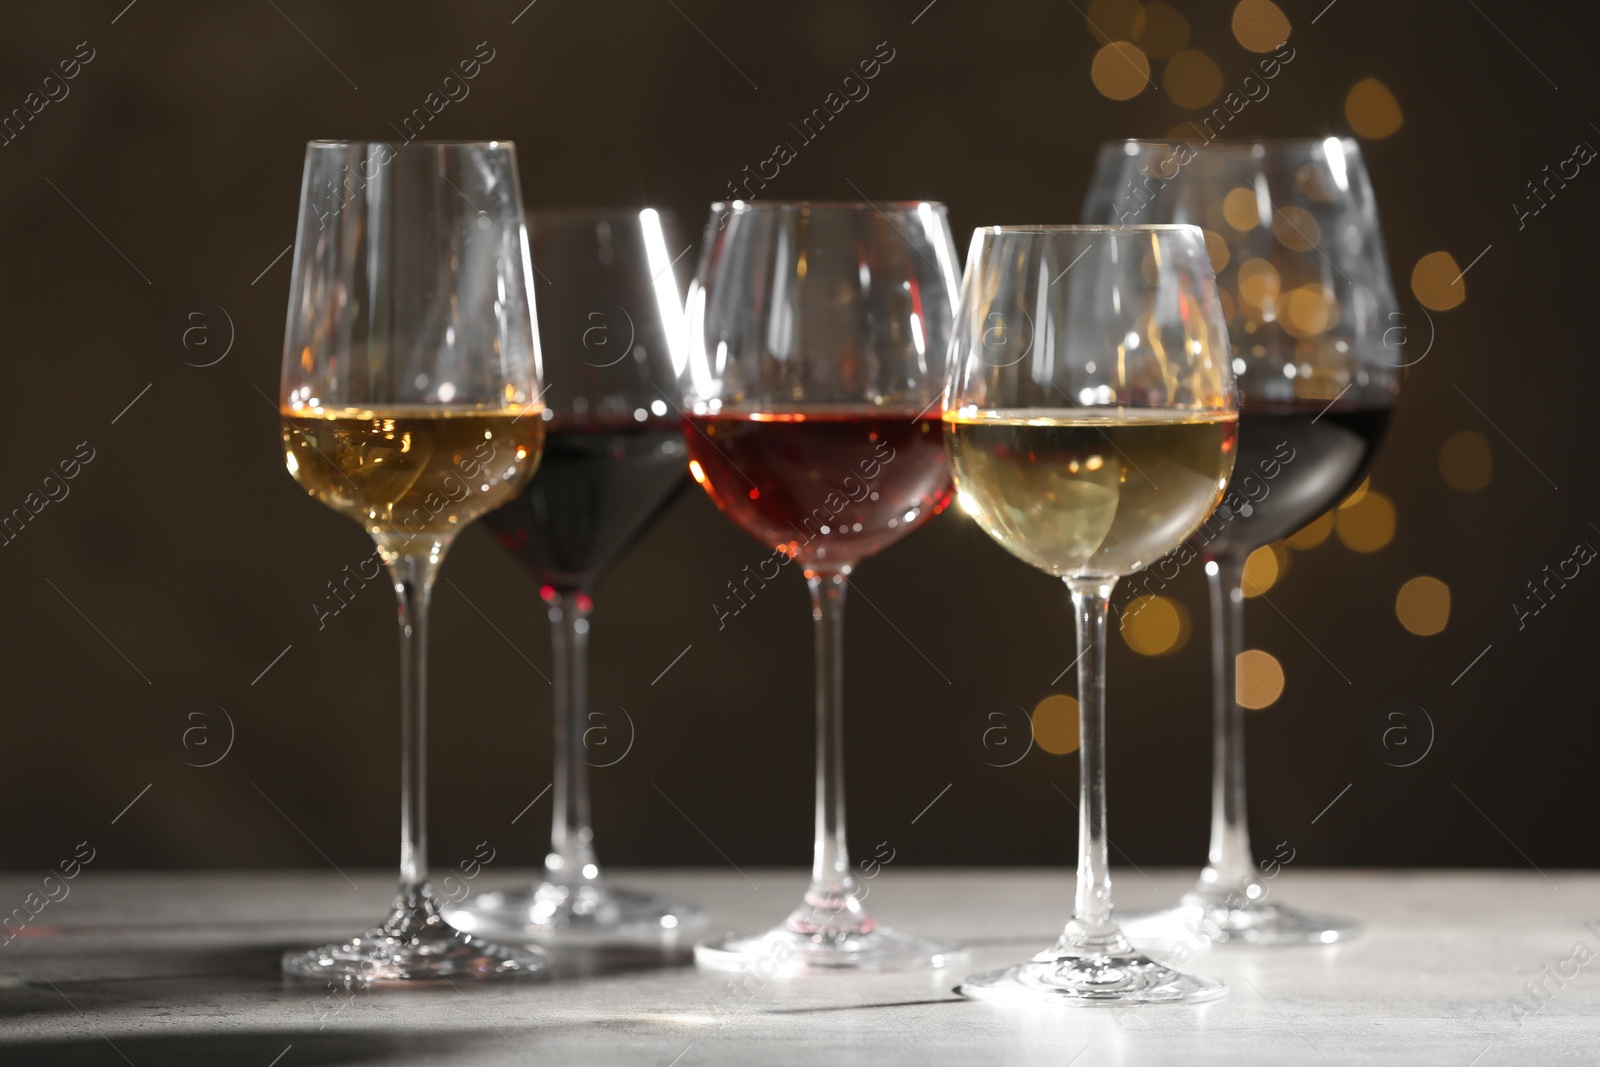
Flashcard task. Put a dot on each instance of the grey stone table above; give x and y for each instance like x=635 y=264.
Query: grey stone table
x=182 y=969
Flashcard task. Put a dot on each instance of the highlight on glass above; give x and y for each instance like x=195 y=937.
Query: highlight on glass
x=817 y=344
x=1292 y=230
x=1091 y=423
x=610 y=319
x=409 y=405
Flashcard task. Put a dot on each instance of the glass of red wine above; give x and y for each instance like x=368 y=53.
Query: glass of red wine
x=1292 y=227
x=612 y=341
x=817 y=336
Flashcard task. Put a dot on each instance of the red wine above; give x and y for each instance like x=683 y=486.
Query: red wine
x=832 y=485
x=597 y=490
x=1295 y=462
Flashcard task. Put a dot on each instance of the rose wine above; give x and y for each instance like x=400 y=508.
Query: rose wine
x=405 y=471
x=599 y=487
x=1295 y=462
x=1086 y=493
x=827 y=486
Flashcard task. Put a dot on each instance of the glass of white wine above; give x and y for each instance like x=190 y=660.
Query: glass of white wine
x=409 y=403
x=1090 y=419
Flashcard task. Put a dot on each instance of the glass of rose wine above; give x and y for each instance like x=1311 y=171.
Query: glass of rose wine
x=409 y=404
x=817 y=336
x=1090 y=419
x=1318 y=352
x=610 y=315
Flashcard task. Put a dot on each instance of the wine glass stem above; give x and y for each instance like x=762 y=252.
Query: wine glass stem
x=1229 y=868
x=832 y=895
x=571 y=858
x=1092 y=923
x=413 y=576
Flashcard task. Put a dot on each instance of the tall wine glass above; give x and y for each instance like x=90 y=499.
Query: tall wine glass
x=410 y=377
x=817 y=336
x=611 y=330
x=1294 y=236
x=1090 y=419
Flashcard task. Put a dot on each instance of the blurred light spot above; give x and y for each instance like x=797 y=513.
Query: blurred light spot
x=1357 y=493
x=1155 y=625
x=1314 y=534
x=1368 y=524
x=1465 y=461
x=1055 y=724
x=1437 y=282
x=697 y=472
x=1262 y=569
x=1239 y=208
x=1423 y=606
x=1192 y=79
x=1115 y=20
x=1165 y=33
x=1259 y=681
x=1371 y=109
x=1258 y=283
x=1120 y=71
x=1296 y=228
x=1217 y=249
x=1307 y=311
x=1260 y=25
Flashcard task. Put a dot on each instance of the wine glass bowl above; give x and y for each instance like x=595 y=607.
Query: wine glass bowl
x=1091 y=424
x=409 y=404
x=1293 y=232
x=817 y=337
x=612 y=337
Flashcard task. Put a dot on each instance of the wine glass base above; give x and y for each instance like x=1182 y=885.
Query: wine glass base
x=590 y=914
x=783 y=951
x=1253 y=923
x=435 y=951
x=1091 y=978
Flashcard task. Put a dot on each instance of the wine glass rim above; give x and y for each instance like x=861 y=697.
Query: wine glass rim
x=325 y=142
x=1087 y=228
x=826 y=205
x=1344 y=140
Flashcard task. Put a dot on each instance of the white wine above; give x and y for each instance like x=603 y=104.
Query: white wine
x=1090 y=493
x=411 y=475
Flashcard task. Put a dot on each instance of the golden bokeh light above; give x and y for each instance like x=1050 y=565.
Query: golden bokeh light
x=1263 y=568
x=1165 y=33
x=1423 y=606
x=1115 y=20
x=1259 y=681
x=1465 y=461
x=1296 y=228
x=1437 y=281
x=1258 y=283
x=1357 y=493
x=1307 y=311
x=1371 y=109
x=1192 y=79
x=1368 y=524
x=1239 y=208
x=1217 y=249
x=1260 y=25
x=1154 y=625
x=1120 y=71
x=1314 y=534
x=1055 y=724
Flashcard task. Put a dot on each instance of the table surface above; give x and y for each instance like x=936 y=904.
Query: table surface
x=177 y=969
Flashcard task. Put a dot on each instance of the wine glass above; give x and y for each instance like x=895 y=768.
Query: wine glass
x=1293 y=231
x=817 y=336
x=1090 y=419
x=611 y=330
x=410 y=378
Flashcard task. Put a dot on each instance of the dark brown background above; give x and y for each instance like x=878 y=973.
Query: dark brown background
x=190 y=550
